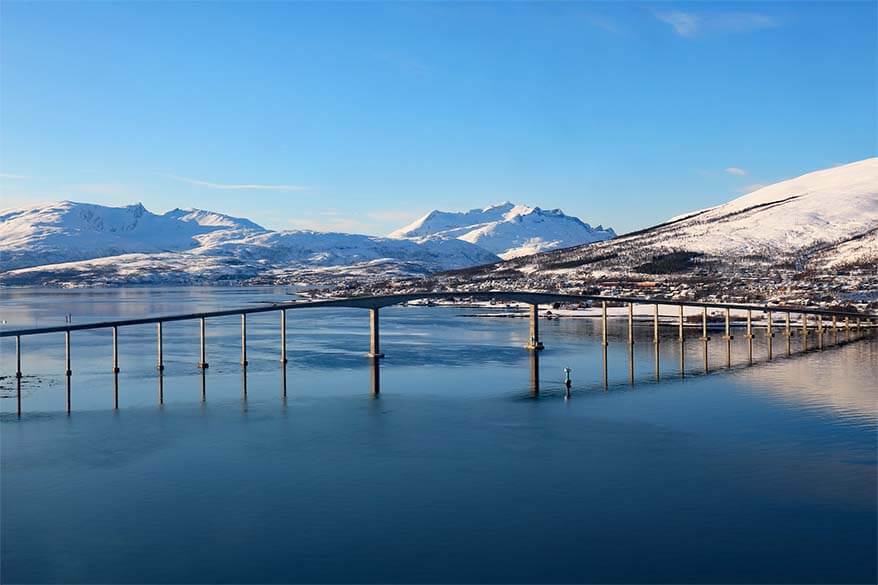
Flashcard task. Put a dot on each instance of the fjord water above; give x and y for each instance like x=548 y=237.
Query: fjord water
x=469 y=465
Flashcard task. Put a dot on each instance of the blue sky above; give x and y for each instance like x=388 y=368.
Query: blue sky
x=363 y=116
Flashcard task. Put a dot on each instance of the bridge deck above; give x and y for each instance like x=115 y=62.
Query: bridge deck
x=377 y=302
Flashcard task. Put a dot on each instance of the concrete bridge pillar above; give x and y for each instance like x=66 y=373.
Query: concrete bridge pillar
x=115 y=350
x=655 y=324
x=202 y=359
x=244 y=361
x=534 y=343
x=374 y=337
x=18 y=357
x=728 y=336
x=681 y=336
x=749 y=324
x=630 y=323
x=604 y=323
x=159 y=349
x=704 y=336
x=283 y=336
x=67 y=370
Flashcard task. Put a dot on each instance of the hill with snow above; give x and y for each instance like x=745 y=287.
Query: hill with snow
x=69 y=242
x=507 y=230
x=820 y=220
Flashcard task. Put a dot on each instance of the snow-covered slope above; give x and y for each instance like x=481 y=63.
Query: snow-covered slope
x=214 y=219
x=67 y=230
x=507 y=230
x=81 y=242
x=827 y=218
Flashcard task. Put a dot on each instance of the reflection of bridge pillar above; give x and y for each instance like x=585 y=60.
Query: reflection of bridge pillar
x=534 y=343
x=375 y=371
x=631 y=364
x=374 y=337
x=604 y=366
x=534 y=373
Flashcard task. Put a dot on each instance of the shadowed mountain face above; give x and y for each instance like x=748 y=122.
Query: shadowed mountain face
x=821 y=221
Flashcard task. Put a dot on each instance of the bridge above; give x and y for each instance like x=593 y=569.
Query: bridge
x=811 y=318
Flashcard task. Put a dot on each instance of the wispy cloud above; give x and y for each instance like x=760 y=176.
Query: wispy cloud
x=684 y=24
x=238 y=186
x=737 y=171
x=691 y=24
x=12 y=176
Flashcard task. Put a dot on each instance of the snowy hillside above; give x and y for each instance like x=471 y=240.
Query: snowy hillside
x=66 y=230
x=507 y=230
x=213 y=219
x=80 y=242
x=821 y=219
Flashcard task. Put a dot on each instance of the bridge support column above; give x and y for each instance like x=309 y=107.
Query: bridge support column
x=749 y=324
x=604 y=323
x=534 y=343
x=374 y=337
x=704 y=336
x=18 y=357
x=630 y=323
x=834 y=323
x=159 y=353
x=244 y=361
x=655 y=327
x=115 y=350
x=769 y=327
x=728 y=336
x=283 y=336
x=67 y=370
x=681 y=336
x=787 y=331
x=804 y=325
x=202 y=361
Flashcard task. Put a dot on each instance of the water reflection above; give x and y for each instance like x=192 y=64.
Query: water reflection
x=375 y=370
x=534 y=373
x=631 y=364
x=657 y=361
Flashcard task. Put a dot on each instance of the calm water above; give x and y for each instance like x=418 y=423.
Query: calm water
x=470 y=465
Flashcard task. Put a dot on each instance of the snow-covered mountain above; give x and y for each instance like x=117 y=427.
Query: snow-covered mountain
x=214 y=219
x=66 y=230
x=823 y=219
x=81 y=242
x=507 y=230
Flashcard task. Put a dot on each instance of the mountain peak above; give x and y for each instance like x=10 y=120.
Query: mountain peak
x=506 y=229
